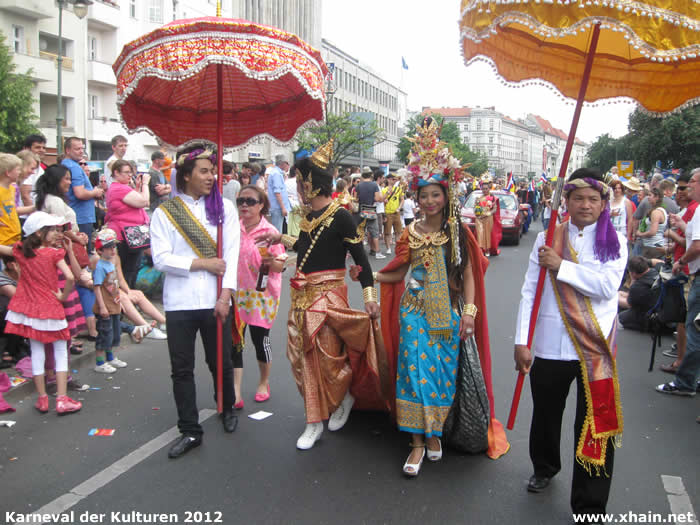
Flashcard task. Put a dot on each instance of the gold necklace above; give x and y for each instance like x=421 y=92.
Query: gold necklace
x=308 y=226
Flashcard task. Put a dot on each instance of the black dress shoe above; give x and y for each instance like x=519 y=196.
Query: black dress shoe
x=230 y=420
x=183 y=444
x=537 y=484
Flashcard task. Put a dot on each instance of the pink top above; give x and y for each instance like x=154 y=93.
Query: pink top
x=37 y=282
x=257 y=308
x=120 y=214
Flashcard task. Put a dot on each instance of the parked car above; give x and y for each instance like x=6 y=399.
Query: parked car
x=511 y=216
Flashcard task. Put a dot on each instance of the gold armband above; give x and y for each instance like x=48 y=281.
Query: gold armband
x=288 y=241
x=369 y=295
x=469 y=309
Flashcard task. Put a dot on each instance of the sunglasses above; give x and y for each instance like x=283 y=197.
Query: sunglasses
x=681 y=188
x=83 y=163
x=248 y=201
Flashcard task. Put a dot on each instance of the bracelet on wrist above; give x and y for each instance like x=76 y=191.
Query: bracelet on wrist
x=369 y=294
x=470 y=310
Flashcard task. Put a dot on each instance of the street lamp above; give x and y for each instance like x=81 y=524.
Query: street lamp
x=80 y=9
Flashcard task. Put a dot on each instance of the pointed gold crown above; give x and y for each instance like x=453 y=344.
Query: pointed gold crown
x=322 y=156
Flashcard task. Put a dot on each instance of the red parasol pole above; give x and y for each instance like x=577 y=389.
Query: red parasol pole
x=219 y=233
x=555 y=215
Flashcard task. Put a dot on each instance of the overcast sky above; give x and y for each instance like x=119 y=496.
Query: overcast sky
x=379 y=32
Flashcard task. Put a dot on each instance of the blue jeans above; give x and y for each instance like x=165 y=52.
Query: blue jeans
x=108 y=333
x=87 y=228
x=689 y=369
x=277 y=219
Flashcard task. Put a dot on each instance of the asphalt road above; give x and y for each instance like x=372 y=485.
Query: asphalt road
x=256 y=475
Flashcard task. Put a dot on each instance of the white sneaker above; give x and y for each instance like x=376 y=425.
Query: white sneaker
x=312 y=433
x=342 y=413
x=156 y=334
x=388 y=251
x=105 y=369
x=379 y=255
x=117 y=363
x=162 y=327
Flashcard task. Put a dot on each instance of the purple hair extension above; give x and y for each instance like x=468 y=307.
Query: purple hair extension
x=214 y=206
x=607 y=243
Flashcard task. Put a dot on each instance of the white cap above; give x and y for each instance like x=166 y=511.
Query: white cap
x=38 y=220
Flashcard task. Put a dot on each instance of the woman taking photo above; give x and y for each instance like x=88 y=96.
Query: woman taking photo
x=652 y=227
x=257 y=296
x=127 y=200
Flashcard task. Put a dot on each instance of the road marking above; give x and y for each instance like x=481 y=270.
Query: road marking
x=678 y=497
x=116 y=469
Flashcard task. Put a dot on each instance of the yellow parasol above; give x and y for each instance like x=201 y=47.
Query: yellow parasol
x=648 y=50
x=591 y=50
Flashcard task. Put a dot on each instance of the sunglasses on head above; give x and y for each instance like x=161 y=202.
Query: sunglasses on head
x=248 y=201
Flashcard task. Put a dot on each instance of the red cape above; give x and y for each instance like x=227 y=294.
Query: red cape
x=390 y=298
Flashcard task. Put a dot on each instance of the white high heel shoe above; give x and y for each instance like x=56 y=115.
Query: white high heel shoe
x=434 y=455
x=412 y=469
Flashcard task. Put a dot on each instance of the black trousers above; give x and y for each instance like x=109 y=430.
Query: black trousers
x=130 y=259
x=550 y=381
x=182 y=326
x=261 y=342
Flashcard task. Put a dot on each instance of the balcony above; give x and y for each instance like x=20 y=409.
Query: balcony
x=29 y=8
x=67 y=62
x=103 y=15
x=39 y=69
x=101 y=73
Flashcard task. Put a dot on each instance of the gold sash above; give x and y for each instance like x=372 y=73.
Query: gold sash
x=193 y=231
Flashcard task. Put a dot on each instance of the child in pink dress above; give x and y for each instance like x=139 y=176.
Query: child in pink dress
x=36 y=312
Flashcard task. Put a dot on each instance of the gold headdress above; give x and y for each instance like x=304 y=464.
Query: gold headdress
x=431 y=162
x=323 y=155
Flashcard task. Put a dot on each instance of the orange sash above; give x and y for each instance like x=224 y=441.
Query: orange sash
x=598 y=366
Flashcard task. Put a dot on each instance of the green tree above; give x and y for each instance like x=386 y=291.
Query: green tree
x=17 y=118
x=350 y=133
x=604 y=152
x=451 y=135
x=674 y=140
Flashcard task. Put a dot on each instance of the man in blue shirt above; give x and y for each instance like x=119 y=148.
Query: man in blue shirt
x=277 y=192
x=81 y=195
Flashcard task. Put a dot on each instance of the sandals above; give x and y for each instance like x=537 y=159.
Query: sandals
x=412 y=469
x=140 y=332
x=669 y=368
x=434 y=455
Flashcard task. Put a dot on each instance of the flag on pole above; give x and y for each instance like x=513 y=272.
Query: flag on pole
x=510 y=186
x=532 y=186
x=543 y=177
x=404 y=65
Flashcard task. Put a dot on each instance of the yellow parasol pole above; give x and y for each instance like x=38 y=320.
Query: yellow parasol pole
x=555 y=214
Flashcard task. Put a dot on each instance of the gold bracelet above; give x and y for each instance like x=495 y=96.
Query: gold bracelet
x=288 y=241
x=469 y=309
x=369 y=295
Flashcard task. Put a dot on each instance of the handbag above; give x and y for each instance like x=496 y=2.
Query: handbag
x=137 y=236
x=368 y=212
x=467 y=424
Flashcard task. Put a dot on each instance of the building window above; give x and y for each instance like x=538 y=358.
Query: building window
x=132 y=8
x=478 y=124
x=155 y=11
x=92 y=47
x=18 y=39
x=491 y=124
x=490 y=139
x=92 y=106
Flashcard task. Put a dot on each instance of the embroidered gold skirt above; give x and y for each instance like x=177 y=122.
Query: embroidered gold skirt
x=327 y=341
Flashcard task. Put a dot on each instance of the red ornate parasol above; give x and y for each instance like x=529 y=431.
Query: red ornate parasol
x=167 y=84
x=220 y=80
x=648 y=50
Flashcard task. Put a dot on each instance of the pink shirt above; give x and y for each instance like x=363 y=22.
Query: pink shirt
x=257 y=308
x=120 y=214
